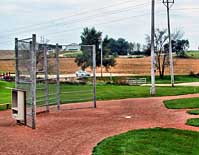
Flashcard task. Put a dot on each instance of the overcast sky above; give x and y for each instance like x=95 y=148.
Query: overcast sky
x=62 y=21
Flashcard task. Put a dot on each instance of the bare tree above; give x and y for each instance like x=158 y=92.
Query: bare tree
x=162 y=53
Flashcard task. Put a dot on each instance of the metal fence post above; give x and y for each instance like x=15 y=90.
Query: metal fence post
x=33 y=80
x=94 y=76
x=58 y=77
x=16 y=63
x=46 y=77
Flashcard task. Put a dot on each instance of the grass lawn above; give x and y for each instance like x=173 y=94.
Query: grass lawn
x=166 y=80
x=193 y=54
x=193 y=112
x=104 y=92
x=193 y=122
x=178 y=79
x=72 y=54
x=188 y=103
x=150 y=142
x=5 y=94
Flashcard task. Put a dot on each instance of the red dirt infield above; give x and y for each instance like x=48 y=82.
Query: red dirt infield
x=76 y=132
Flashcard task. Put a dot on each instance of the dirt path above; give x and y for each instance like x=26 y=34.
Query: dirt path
x=76 y=132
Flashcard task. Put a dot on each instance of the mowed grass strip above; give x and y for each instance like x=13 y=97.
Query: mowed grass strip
x=193 y=54
x=193 y=112
x=5 y=92
x=186 y=103
x=193 y=122
x=104 y=92
x=150 y=142
x=165 y=80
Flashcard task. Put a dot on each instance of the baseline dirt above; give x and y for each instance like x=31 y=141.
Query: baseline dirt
x=76 y=132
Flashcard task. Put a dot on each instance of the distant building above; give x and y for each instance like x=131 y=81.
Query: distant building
x=72 y=47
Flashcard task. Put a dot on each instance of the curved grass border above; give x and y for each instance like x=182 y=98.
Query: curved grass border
x=151 y=142
x=184 y=103
x=193 y=122
x=193 y=112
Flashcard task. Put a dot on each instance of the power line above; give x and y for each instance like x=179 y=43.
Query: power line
x=109 y=13
x=185 y=9
x=75 y=14
x=104 y=23
x=86 y=18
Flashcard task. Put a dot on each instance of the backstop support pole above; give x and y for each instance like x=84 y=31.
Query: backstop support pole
x=33 y=80
x=17 y=63
x=94 y=76
x=57 y=78
x=46 y=77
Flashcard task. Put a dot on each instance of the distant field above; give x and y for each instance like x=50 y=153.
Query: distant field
x=193 y=54
x=136 y=66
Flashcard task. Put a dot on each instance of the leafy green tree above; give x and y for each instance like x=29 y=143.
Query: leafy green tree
x=90 y=36
x=179 y=47
x=119 y=47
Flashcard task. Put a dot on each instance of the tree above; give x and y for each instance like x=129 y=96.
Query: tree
x=122 y=46
x=179 y=47
x=91 y=37
x=161 y=48
x=132 y=48
x=138 y=45
x=118 y=47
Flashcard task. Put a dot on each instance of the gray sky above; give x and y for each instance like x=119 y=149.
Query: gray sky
x=62 y=21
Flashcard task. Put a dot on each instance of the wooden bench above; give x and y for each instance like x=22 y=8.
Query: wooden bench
x=136 y=81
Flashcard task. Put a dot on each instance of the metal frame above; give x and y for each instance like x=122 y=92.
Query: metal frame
x=33 y=76
x=94 y=77
x=57 y=77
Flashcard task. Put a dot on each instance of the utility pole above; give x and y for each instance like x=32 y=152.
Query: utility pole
x=169 y=4
x=153 y=91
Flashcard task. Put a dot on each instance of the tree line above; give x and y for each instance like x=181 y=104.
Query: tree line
x=115 y=47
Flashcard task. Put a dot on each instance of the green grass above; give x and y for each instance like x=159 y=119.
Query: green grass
x=104 y=92
x=193 y=54
x=178 y=79
x=150 y=142
x=187 y=103
x=193 y=122
x=166 y=80
x=193 y=112
x=72 y=54
x=5 y=93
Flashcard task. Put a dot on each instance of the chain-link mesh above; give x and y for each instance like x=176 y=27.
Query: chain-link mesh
x=36 y=68
x=78 y=86
x=23 y=73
